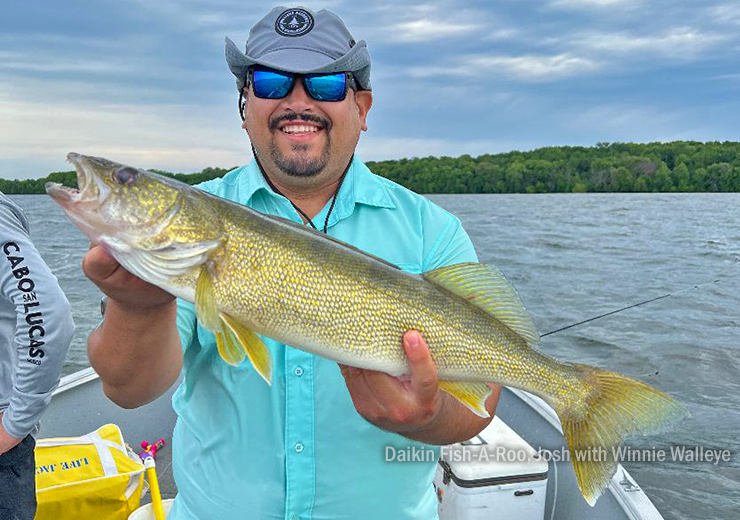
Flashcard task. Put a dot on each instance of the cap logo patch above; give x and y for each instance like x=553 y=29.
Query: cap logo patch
x=294 y=22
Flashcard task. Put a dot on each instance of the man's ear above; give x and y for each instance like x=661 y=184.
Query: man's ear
x=244 y=108
x=363 y=100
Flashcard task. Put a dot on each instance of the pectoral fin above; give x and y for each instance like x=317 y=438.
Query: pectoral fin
x=205 y=302
x=251 y=344
x=472 y=395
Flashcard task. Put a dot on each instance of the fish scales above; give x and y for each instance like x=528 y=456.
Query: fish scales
x=335 y=302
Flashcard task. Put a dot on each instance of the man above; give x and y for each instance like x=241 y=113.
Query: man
x=297 y=449
x=36 y=328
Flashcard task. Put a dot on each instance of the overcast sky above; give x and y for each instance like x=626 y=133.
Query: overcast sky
x=144 y=82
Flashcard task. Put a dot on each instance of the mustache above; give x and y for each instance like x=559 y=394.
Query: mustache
x=323 y=123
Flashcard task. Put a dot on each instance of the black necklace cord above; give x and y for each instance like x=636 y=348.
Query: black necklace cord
x=299 y=210
x=334 y=199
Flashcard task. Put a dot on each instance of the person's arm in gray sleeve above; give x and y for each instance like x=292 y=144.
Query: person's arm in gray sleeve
x=44 y=325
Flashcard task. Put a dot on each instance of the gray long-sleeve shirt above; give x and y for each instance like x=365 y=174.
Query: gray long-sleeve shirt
x=36 y=326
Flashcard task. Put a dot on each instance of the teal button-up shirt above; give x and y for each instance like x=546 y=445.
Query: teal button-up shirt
x=298 y=449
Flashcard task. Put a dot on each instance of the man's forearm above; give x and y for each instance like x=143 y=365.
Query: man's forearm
x=43 y=325
x=42 y=340
x=454 y=422
x=137 y=353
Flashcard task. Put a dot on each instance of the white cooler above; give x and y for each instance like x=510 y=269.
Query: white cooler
x=508 y=481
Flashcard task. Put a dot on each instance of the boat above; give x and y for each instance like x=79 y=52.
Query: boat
x=79 y=406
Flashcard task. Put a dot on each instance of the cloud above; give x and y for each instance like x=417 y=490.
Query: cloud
x=215 y=17
x=386 y=23
x=427 y=29
x=589 y=53
x=627 y=122
x=727 y=13
x=44 y=62
x=506 y=33
x=578 y=4
x=182 y=137
x=151 y=87
x=77 y=89
x=396 y=147
x=735 y=76
x=30 y=39
x=531 y=68
x=537 y=68
x=681 y=43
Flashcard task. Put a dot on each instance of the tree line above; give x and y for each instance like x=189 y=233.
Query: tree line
x=69 y=178
x=680 y=166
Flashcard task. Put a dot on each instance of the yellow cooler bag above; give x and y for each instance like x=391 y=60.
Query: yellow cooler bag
x=95 y=476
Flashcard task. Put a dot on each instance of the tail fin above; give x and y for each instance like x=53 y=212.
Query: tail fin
x=615 y=408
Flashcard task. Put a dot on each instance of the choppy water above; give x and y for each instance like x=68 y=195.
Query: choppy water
x=572 y=257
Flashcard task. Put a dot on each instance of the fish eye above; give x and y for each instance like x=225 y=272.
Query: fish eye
x=125 y=175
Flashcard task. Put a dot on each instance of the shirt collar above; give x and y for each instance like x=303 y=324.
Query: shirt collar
x=360 y=186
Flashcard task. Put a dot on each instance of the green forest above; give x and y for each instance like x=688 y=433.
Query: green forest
x=69 y=178
x=681 y=166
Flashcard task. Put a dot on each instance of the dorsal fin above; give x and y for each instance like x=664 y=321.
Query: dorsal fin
x=487 y=288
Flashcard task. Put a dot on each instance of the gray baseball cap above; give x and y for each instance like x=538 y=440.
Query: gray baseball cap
x=301 y=41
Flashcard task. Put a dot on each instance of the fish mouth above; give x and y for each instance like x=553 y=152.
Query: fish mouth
x=84 y=193
x=83 y=204
x=83 y=175
x=62 y=193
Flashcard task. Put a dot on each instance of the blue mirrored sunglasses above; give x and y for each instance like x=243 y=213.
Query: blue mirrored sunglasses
x=273 y=84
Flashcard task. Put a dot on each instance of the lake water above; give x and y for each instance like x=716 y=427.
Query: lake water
x=572 y=257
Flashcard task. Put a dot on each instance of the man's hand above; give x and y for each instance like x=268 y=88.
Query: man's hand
x=140 y=323
x=416 y=409
x=7 y=441
x=124 y=288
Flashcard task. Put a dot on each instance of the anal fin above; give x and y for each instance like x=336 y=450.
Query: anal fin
x=229 y=348
x=472 y=395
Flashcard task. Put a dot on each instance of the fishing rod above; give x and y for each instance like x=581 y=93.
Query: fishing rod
x=630 y=307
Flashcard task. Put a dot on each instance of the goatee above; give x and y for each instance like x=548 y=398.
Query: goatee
x=300 y=165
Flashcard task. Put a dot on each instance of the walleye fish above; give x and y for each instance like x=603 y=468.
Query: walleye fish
x=252 y=274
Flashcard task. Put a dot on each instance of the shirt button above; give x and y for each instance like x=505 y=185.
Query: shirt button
x=298 y=447
x=298 y=371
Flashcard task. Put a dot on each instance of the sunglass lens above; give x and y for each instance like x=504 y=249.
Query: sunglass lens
x=271 y=85
x=329 y=87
